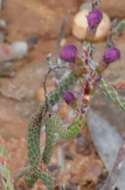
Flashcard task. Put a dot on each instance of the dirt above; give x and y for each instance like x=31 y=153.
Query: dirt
x=18 y=95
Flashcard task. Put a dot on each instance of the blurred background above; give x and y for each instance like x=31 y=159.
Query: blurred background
x=21 y=84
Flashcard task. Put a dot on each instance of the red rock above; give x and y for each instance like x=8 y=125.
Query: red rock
x=65 y=6
x=11 y=124
x=38 y=17
x=114 y=8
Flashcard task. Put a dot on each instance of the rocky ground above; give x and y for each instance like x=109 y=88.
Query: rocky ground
x=19 y=96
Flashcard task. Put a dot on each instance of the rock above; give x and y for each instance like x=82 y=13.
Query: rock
x=25 y=84
x=65 y=6
x=71 y=187
x=1 y=4
x=7 y=70
x=111 y=149
x=39 y=17
x=22 y=88
x=114 y=8
x=106 y=139
x=10 y=52
x=16 y=149
x=16 y=50
x=82 y=145
x=11 y=124
x=20 y=49
x=115 y=181
x=88 y=169
x=2 y=37
x=3 y=27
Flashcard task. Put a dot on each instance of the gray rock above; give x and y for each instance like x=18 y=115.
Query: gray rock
x=105 y=137
x=111 y=149
x=114 y=8
x=1 y=4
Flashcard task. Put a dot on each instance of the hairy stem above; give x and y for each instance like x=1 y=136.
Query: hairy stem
x=50 y=138
x=112 y=94
x=38 y=121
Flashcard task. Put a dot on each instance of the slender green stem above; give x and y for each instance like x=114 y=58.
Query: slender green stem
x=112 y=94
x=73 y=129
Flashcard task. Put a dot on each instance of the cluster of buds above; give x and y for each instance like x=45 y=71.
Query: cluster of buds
x=82 y=65
x=92 y=72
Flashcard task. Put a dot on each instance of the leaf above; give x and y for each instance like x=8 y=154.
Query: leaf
x=51 y=126
x=72 y=130
x=120 y=27
x=111 y=93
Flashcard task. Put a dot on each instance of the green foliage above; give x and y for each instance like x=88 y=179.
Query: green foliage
x=54 y=126
x=51 y=125
x=65 y=84
x=34 y=138
x=5 y=173
x=112 y=94
x=73 y=130
x=37 y=174
x=31 y=180
x=120 y=27
x=36 y=124
x=47 y=180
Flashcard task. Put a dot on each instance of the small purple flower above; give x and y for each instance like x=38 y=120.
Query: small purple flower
x=111 y=55
x=69 y=53
x=69 y=97
x=94 y=18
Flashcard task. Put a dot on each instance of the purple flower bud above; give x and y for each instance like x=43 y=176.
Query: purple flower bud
x=69 y=97
x=94 y=18
x=69 y=53
x=111 y=55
